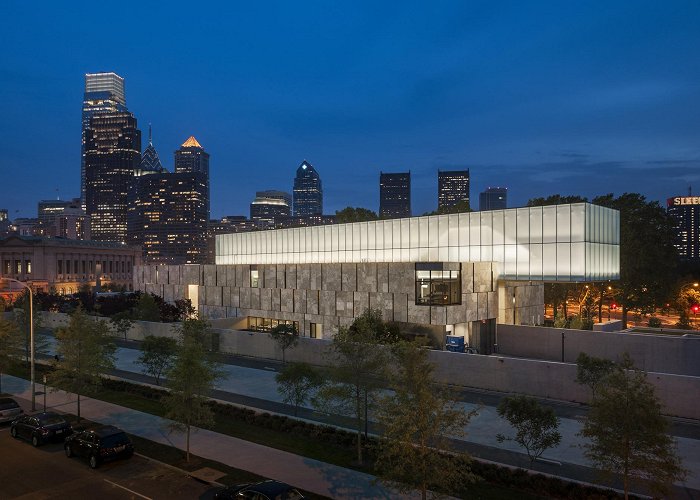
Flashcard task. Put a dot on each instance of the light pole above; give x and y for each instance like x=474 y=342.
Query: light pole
x=31 y=336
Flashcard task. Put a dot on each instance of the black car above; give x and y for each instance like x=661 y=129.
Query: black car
x=9 y=410
x=41 y=428
x=267 y=490
x=99 y=445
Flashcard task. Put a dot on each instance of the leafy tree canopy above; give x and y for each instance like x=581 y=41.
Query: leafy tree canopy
x=628 y=434
x=556 y=199
x=354 y=214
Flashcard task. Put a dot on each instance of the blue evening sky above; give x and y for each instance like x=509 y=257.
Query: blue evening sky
x=570 y=97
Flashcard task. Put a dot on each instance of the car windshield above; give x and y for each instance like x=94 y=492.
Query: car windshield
x=114 y=440
x=50 y=419
x=8 y=405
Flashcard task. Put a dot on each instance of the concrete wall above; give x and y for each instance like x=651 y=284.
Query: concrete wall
x=547 y=379
x=652 y=353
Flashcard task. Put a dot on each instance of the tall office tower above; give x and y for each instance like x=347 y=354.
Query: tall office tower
x=104 y=93
x=685 y=210
x=112 y=155
x=308 y=192
x=394 y=195
x=169 y=212
x=64 y=218
x=191 y=158
x=453 y=187
x=270 y=209
x=494 y=198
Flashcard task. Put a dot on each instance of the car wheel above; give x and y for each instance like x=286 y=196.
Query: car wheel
x=69 y=452
x=35 y=440
x=13 y=432
x=93 y=462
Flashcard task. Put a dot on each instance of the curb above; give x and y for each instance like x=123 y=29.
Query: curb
x=177 y=469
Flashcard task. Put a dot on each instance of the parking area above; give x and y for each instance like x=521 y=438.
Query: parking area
x=45 y=472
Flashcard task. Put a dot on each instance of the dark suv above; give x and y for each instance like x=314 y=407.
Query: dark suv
x=41 y=428
x=100 y=444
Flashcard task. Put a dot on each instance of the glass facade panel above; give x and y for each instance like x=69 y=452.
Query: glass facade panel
x=510 y=238
x=486 y=229
x=523 y=226
x=510 y=224
x=549 y=224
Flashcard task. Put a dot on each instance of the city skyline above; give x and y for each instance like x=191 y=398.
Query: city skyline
x=542 y=99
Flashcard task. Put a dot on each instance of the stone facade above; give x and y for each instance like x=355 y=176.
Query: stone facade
x=332 y=295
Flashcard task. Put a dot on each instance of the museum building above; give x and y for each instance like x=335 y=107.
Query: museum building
x=455 y=274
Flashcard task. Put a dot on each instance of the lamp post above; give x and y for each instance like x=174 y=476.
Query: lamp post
x=31 y=336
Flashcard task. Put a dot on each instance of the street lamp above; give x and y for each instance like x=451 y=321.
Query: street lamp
x=31 y=336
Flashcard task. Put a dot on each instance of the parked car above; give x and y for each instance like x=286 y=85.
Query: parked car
x=41 y=428
x=9 y=410
x=266 y=490
x=99 y=445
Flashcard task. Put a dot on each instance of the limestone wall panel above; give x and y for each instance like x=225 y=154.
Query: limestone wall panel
x=349 y=277
x=299 y=301
x=367 y=277
x=287 y=300
x=331 y=277
x=326 y=302
x=344 y=304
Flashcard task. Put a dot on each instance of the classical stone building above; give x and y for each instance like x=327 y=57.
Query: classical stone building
x=64 y=265
x=455 y=274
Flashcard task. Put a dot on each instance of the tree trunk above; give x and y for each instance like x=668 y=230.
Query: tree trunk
x=78 y=407
x=188 y=443
x=358 y=413
x=600 y=305
x=624 y=316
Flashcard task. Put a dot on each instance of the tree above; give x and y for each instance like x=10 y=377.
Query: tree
x=591 y=371
x=85 y=354
x=10 y=344
x=147 y=308
x=536 y=426
x=627 y=433
x=185 y=309
x=285 y=336
x=122 y=323
x=192 y=377
x=357 y=369
x=417 y=422
x=157 y=355
x=648 y=257
x=556 y=199
x=295 y=383
x=354 y=214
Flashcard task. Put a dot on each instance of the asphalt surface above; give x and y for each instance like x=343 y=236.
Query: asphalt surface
x=45 y=472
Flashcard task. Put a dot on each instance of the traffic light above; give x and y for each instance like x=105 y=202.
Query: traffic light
x=613 y=306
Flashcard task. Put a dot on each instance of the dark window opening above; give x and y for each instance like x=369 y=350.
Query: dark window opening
x=438 y=284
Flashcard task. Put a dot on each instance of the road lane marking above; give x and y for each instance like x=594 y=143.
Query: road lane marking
x=127 y=489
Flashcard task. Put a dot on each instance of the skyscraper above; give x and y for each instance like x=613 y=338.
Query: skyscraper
x=394 y=195
x=169 y=212
x=308 y=192
x=191 y=158
x=64 y=218
x=112 y=155
x=104 y=93
x=685 y=210
x=453 y=187
x=270 y=209
x=150 y=161
x=494 y=198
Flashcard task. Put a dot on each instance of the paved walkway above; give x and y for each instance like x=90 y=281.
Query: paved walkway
x=311 y=475
x=251 y=382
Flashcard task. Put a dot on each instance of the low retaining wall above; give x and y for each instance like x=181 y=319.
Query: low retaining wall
x=653 y=353
x=540 y=378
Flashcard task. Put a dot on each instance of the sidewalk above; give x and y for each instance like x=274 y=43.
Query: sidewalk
x=311 y=475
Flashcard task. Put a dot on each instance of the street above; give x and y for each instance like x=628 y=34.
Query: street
x=45 y=472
